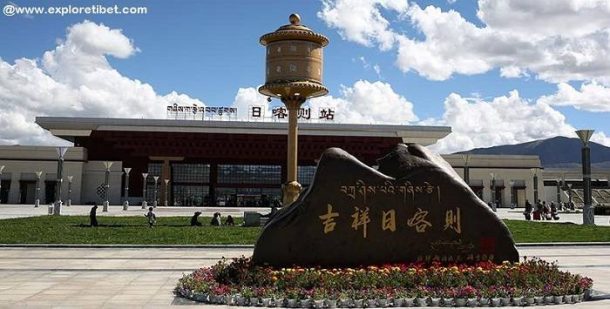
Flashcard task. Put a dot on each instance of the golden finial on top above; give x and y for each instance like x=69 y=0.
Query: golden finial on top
x=295 y=19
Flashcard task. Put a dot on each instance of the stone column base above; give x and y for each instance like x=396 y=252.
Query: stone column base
x=290 y=192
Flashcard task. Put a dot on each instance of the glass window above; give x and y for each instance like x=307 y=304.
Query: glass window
x=190 y=173
x=256 y=174
x=293 y=68
x=190 y=195
x=248 y=197
x=305 y=174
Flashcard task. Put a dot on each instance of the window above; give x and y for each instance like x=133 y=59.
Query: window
x=293 y=68
x=293 y=48
x=190 y=173
x=255 y=174
x=305 y=174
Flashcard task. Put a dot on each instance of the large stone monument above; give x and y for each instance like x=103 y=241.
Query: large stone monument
x=413 y=208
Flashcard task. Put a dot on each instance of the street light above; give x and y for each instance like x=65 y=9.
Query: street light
x=107 y=165
x=493 y=191
x=587 y=212
x=1 y=169
x=512 y=194
x=144 y=178
x=535 y=174
x=69 y=202
x=61 y=151
x=466 y=158
x=156 y=178
x=165 y=192
x=37 y=202
x=126 y=190
x=570 y=196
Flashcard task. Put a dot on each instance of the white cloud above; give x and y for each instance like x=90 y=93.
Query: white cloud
x=363 y=102
x=503 y=120
x=556 y=40
x=367 y=102
x=361 y=21
x=591 y=97
x=601 y=138
x=75 y=79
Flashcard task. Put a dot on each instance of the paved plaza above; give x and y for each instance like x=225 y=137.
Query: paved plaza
x=145 y=277
x=35 y=277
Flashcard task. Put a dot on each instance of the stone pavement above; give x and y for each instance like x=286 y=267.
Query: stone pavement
x=145 y=277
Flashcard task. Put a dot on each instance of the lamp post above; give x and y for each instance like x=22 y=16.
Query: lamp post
x=144 y=179
x=69 y=202
x=107 y=165
x=558 y=192
x=535 y=174
x=156 y=178
x=165 y=193
x=1 y=169
x=293 y=74
x=466 y=158
x=587 y=212
x=570 y=196
x=37 y=201
x=512 y=194
x=61 y=151
x=126 y=190
x=493 y=191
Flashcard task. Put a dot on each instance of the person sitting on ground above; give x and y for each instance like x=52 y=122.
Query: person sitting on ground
x=216 y=219
x=93 y=215
x=230 y=221
x=152 y=218
x=195 y=219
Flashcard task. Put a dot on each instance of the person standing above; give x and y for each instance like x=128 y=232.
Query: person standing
x=528 y=210
x=152 y=218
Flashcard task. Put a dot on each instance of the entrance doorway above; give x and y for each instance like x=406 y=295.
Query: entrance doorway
x=6 y=187
x=49 y=191
x=27 y=191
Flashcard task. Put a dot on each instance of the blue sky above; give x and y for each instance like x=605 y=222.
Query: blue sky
x=209 y=50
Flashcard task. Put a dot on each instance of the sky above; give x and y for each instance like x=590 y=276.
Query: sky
x=497 y=72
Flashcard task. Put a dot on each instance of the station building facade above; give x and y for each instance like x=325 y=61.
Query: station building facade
x=222 y=163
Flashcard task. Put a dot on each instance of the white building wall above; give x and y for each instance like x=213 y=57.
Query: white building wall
x=22 y=160
x=94 y=173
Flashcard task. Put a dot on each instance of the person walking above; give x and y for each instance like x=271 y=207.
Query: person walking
x=152 y=218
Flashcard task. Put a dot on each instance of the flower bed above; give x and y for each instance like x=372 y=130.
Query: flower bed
x=533 y=281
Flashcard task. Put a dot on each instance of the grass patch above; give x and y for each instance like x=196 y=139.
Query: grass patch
x=122 y=230
x=176 y=230
x=528 y=232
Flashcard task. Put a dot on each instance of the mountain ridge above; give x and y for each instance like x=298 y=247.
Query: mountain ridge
x=555 y=152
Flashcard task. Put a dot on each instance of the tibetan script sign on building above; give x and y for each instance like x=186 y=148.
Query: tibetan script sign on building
x=414 y=208
x=196 y=112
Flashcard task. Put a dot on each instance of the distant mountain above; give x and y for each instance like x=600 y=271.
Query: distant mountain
x=553 y=152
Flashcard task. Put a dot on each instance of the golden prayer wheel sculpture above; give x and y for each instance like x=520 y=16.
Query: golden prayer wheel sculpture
x=293 y=74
